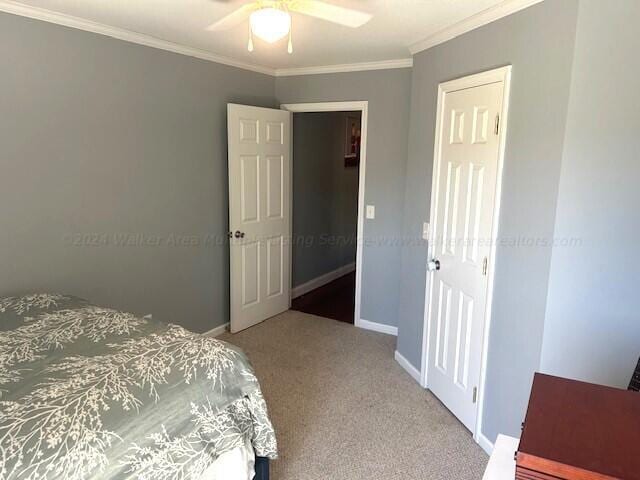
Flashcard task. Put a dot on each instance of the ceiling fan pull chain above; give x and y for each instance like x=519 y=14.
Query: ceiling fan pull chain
x=250 y=46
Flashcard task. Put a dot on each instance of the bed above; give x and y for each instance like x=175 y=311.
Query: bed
x=88 y=392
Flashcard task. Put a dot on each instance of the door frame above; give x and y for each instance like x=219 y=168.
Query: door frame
x=502 y=74
x=355 y=106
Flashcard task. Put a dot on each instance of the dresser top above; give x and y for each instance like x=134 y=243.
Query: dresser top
x=582 y=425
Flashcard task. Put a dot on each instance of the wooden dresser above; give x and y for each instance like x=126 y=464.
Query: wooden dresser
x=579 y=431
x=634 y=384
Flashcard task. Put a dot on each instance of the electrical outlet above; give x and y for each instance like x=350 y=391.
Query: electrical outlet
x=371 y=212
x=425 y=231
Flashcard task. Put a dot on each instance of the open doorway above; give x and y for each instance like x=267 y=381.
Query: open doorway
x=327 y=208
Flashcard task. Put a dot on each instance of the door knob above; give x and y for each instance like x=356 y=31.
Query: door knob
x=433 y=265
x=239 y=234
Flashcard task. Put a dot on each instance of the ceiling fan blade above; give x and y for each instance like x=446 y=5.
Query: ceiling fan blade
x=330 y=13
x=233 y=19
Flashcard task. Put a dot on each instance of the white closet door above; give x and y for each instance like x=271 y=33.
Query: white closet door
x=465 y=202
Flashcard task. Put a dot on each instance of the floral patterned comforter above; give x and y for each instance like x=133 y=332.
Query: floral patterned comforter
x=88 y=392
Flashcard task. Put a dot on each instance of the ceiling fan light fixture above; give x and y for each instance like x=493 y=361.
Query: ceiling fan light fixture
x=270 y=24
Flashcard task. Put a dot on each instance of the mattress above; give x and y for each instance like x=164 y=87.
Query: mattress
x=88 y=392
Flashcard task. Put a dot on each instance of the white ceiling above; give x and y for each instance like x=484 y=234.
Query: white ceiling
x=395 y=27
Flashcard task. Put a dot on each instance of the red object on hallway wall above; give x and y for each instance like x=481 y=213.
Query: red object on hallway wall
x=352 y=142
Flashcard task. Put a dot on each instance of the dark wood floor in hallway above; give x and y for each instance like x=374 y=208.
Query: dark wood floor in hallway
x=334 y=300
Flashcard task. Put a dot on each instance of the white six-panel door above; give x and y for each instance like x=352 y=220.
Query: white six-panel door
x=464 y=196
x=259 y=213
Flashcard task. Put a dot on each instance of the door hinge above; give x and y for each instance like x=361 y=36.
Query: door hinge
x=475 y=394
x=497 y=130
x=485 y=266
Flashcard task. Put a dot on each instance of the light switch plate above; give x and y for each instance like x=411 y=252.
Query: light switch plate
x=371 y=212
x=425 y=231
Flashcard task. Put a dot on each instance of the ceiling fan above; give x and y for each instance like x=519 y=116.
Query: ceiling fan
x=270 y=20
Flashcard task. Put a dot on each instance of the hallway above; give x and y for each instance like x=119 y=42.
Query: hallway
x=335 y=300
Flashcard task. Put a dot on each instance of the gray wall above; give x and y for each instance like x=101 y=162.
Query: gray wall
x=538 y=42
x=325 y=196
x=104 y=137
x=107 y=137
x=388 y=93
x=592 y=330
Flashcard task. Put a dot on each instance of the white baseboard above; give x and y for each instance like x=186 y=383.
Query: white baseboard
x=406 y=364
x=322 y=280
x=377 y=327
x=216 y=332
x=485 y=444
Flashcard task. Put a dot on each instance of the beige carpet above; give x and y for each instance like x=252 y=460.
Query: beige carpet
x=343 y=409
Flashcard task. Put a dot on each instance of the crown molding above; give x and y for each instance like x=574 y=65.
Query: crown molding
x=347 y=67
x=37 y=13
x=471 y=23
x=478 y=20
